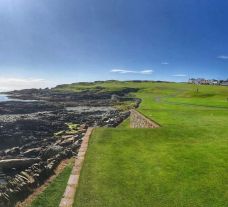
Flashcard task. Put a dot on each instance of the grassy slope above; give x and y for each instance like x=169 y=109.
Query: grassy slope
x=52 y=195
x=107 y=86
x=125 y=123
x=184 y=163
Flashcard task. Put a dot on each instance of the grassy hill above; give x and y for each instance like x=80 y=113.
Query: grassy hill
x=183 y=163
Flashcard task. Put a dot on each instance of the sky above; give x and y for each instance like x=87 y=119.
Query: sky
x=49 y=42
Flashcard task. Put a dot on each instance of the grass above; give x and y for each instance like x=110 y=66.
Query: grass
x=98 y=86
x=182 y=164
x=52 y=195
x=72 y=129
x=124 y=168
x=125 y=123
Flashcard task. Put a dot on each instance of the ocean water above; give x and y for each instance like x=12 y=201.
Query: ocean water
x=4 y=98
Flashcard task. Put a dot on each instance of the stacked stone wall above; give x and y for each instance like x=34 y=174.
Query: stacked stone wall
x=137 y=120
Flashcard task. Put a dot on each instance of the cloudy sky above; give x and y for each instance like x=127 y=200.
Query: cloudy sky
x=48 y=42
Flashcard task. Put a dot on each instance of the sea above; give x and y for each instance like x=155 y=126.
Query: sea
x=4 y=98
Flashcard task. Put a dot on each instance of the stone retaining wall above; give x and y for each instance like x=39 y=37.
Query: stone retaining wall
x=137 y=120
x=68 y=196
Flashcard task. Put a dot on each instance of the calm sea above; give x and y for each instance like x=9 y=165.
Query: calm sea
x=4 y=98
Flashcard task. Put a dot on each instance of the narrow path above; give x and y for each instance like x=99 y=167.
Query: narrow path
x=68 y=196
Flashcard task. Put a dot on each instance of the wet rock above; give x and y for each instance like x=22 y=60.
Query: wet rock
x=31 y=130
x=27 y=177
x=76 y=145
x=13 y=151
x=51 y=151
x=34 y=152
x=17 y=163
x=95 y=97
x=18 y=107
x=67 y=142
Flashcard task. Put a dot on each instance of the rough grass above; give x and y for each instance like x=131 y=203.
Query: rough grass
x=125 y=123
x=99 y=86
x=52 y=195
x=183 y=163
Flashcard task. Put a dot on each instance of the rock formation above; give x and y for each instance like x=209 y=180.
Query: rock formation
x=36 y=136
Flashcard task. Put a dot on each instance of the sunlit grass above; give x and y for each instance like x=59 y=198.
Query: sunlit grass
x=183 y=163
x=52 y=195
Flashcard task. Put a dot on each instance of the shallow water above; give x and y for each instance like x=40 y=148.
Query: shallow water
x=4 y=98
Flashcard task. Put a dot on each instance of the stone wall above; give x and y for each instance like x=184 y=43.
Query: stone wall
x=137 y=120
x=69 y=194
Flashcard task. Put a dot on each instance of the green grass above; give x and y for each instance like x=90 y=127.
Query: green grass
x=182 y=164
x=72 y=129
x=99 y=86
x=52 y=195
x=124 y=168
x=125 y=124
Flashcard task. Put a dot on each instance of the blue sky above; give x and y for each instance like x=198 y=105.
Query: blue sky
x=48 y=42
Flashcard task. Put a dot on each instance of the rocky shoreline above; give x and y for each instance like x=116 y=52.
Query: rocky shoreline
x=36 y=136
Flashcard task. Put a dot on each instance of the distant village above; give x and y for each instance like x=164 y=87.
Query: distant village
x=202 y=81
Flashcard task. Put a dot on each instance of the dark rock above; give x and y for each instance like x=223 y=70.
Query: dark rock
x=18 y=107
x=76 y=145
x=13 y=151
x=51 y=151
x=67 y=142
x=17 y=163
x=34 y=152
x=28 y=130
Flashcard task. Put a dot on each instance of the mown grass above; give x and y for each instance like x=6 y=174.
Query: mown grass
x=182 y=164
x=52 y=195
x=144 y=167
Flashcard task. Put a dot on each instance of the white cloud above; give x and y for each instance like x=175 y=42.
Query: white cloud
x=146 y=72
x=224 y=57
x=164 y=63
x=123 y=71
x=179 y=75
x=7 y=84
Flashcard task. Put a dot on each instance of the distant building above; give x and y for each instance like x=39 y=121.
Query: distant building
x=215 y=82
x=202 y=81
x=224 y=83
x=197 y=81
